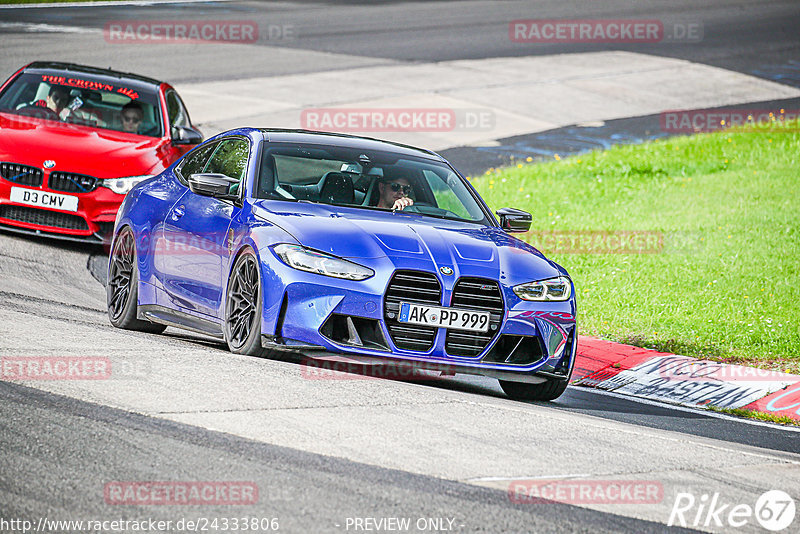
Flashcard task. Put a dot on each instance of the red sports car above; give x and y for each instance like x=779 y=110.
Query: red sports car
x=75 y=139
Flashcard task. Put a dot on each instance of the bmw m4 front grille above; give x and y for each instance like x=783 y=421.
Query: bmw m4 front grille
x=475 y=294
x=71 y=183
x=417 y=287
x=21 y=174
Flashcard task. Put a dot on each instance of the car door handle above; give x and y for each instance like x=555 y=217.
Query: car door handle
x=177 y=213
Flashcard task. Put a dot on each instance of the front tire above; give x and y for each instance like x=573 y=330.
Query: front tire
x=546 y=391
x=122 y=290
x=243 y=302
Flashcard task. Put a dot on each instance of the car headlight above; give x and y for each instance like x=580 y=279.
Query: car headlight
x=312 y=261
x=122 y=185
x=552 y=289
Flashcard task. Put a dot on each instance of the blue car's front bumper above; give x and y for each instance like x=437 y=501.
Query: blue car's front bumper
x=324 y=317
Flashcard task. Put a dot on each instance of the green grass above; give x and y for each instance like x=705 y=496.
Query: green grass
x=725 y=286
x=753 y=414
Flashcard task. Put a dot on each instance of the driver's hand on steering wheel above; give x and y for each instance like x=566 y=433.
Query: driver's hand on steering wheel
x=402 y=203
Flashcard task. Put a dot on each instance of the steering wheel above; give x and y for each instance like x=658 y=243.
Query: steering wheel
x=424 y=208
x=39 y=112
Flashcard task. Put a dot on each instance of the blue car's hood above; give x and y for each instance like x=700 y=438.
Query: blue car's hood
x=409 y=240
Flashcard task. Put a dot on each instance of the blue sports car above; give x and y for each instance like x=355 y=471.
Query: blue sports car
x=332 y=245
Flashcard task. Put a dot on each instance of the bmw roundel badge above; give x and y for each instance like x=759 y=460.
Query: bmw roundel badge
x=49 y=164
x=447 y=271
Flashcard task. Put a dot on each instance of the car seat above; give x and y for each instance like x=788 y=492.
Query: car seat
x=336 y=188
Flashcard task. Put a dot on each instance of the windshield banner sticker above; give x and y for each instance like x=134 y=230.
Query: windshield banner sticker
x=90 y=85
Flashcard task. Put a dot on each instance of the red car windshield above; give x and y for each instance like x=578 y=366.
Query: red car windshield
x=81 y=99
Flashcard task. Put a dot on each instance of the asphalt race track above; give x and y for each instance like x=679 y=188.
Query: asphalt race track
x=339 y=455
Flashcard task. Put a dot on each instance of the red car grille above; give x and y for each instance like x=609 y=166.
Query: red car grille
x=21 y=174
x=71 y=183
x=43 y=217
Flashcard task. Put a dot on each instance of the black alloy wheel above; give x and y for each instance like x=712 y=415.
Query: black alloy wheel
x=121 y=290
x=243 y=307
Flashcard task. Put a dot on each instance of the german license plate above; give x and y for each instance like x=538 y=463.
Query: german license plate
x=44 y=199
x=476 y=321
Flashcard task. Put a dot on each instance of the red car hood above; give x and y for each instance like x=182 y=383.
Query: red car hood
x=79 y=149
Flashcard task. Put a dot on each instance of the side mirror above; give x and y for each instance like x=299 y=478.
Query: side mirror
x=185 y=135
x=214 y=185
x=513 y=220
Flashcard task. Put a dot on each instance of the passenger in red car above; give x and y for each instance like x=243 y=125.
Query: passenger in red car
x=132 y=117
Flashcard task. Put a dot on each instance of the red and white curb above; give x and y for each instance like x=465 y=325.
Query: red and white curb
x=682 y=380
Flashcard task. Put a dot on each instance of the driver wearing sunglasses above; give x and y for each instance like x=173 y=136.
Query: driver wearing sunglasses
x=132 y=117
x=394 y=194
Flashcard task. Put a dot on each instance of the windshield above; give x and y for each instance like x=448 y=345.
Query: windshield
x=367 y=180
x=84 y=100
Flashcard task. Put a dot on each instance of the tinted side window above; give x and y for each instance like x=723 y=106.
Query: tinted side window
x=196 y=161
x=303 y=171
x=230 y=159
x=178 y=116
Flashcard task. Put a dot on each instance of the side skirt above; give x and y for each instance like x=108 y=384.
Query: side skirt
x=169 y=317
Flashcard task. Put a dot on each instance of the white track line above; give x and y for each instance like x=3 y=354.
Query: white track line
x=109 y=4
x=32 y=27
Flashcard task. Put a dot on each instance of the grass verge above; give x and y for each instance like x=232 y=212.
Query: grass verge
x=760 y=416
x=689 y=245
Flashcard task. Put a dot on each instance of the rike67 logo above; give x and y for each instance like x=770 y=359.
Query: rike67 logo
x=774 y=510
